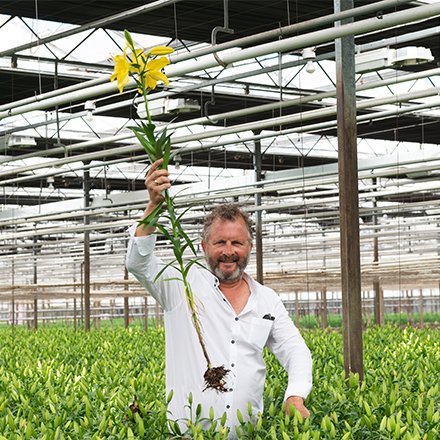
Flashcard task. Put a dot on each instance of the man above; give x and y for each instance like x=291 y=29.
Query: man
x=238 y=316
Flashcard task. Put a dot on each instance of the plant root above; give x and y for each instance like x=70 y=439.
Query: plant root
x=215 y=378
x=134 y=408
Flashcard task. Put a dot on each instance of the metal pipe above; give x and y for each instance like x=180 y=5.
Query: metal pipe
x=294 y=28
x=285 y=45
x=273 y=34
x=311 y=39
x=225 y=115
x=319 y=96
x=289 y=119
x=52 y=93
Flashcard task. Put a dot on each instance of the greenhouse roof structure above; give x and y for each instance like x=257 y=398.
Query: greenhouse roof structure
x=252 y=108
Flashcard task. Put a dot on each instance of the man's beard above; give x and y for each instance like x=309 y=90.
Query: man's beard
x=228 y=276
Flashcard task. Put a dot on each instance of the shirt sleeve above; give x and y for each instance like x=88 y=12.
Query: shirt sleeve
x=287 y=344
x=144 y=265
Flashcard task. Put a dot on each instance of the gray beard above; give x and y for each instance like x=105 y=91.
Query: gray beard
x=228 y=277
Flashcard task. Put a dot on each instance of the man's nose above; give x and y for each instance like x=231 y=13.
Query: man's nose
x=229 y=249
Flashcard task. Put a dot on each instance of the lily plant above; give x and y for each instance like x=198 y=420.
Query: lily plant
x=145 y=68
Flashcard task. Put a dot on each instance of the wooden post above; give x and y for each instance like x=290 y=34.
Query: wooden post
x=296 y=308
x=348 y=198
x=126 y=306
x=258 y=214
x=324 y=313
x=35 y=280
x=146 y=313
x=74 y=314
x=86 y=274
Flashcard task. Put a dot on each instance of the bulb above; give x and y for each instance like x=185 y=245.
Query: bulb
x=310 y=66
x=90 y=107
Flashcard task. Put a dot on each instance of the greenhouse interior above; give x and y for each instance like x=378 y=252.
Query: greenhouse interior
x=321 y=119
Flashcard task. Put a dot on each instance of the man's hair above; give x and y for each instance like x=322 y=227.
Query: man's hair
x=226 y=212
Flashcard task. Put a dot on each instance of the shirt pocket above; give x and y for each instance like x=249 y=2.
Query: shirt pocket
x=259 y=331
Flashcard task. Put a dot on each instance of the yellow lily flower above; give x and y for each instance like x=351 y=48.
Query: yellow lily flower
x=121 y=70
x=153 y=72
x=161 y=50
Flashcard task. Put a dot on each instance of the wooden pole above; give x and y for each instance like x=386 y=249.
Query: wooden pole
x=126 y=305
x=86 y=189
x=146 y=313
x=348 y=198
x=324 y=313
x=258 y=215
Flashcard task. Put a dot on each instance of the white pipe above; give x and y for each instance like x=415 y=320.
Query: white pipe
x=53 y=93
x=400 y=39
x=257 y=125
x=285 y=45
x=290 y=29
x=250 y=110
x=311 y=39
x=275 y=33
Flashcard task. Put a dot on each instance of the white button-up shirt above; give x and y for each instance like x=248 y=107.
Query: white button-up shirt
x=234 y=341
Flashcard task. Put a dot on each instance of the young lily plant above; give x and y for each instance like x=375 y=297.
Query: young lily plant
x=145 y=68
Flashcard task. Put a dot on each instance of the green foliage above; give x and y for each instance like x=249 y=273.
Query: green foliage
x=58 y=384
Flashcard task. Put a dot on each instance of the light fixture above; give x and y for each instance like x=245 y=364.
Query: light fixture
x=18 y=140
x=163 y=106
x=387 y=58
x=50 y=182
x=90 y=107
x=309 y=55
x=177 y=160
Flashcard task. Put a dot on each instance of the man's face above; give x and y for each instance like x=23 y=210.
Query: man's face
x=227 y=249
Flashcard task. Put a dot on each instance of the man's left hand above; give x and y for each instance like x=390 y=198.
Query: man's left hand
x=298 y=403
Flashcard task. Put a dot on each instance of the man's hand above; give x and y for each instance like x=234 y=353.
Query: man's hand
x=298 y=403
x=156 y=181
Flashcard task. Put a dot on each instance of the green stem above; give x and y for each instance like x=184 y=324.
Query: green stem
x=145 y=93
x=187 y=287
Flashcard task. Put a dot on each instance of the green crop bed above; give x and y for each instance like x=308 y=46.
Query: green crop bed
x=58 y=384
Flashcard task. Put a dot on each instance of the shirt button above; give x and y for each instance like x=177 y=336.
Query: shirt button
x=228 y=406
x=232 y=365
x=232 y=342
x=236 y=319
x=230 y=389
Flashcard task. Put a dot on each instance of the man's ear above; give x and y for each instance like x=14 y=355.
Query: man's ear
x=203 y=245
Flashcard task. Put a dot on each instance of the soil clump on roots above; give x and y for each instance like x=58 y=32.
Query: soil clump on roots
x=215 y=378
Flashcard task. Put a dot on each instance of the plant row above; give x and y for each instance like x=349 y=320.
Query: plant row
x=60 y=384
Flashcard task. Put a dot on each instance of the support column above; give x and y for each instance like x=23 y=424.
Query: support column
x=348 y=198
x=35 y=280
x=324 y=312
x=379 y=310
x=146 y=313
x=126 y=311
x=12 y=314
x=86 y=274
x=258 y=214
x=296 y=308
